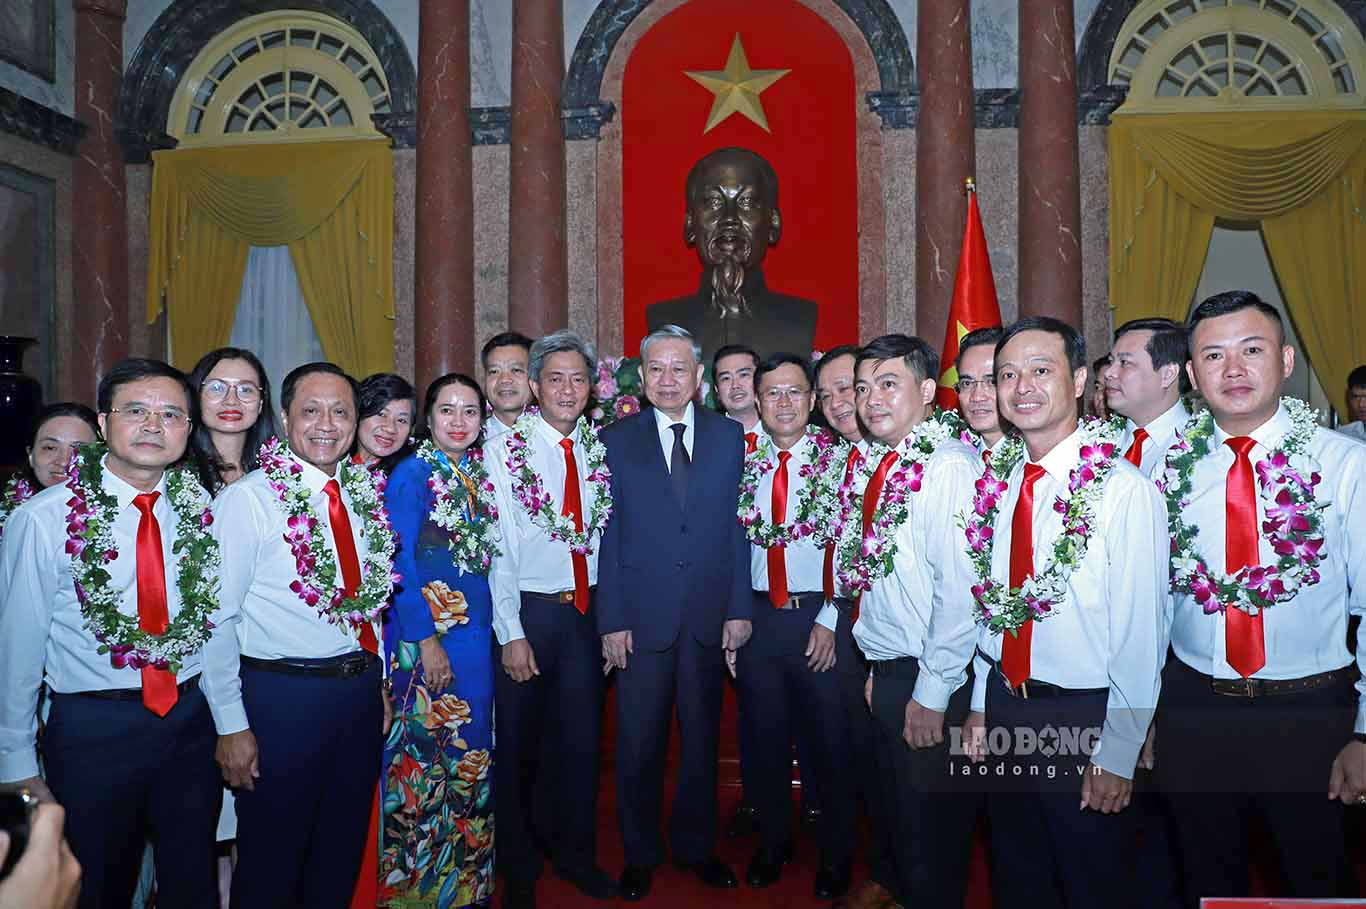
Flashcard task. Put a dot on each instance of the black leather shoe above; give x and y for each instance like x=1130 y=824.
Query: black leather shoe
x=832 y=881
x=635 y=882
x=744 y=822
x=767 y=865
x=592 y=882
x=519 y=895
x=711 y=871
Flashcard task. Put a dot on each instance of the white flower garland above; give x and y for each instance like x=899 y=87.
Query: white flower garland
x=817 y=505
x=474 y=538
x=17 y=492
x=530 y=491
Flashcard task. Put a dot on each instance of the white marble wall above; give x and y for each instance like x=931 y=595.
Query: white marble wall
x=58 y=93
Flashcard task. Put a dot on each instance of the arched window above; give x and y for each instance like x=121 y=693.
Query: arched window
x=280 y=76
x=1183 y=55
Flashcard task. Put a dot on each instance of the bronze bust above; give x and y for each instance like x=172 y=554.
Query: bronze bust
x=732 y=218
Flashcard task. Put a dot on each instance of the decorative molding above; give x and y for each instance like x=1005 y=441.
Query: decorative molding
x=29 y=120
x=585 y=110
x=996 y=108
x=490 y=125
x=186 y=26
x=1095 y=105
x=400 y=127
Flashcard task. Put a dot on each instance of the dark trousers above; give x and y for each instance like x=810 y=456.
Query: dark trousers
x=784 y=696
x=931 y=812
x=125 y=775
x=1047 y=853
x=688 y=675
x=301 y=832
x=1222 y=759
x=861 y=736
x=547 y=742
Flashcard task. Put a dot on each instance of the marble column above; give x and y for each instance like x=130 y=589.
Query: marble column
x=945 y=156
x=538 y=267
x=443 y=307
x=1049 y=165
x=99 y=234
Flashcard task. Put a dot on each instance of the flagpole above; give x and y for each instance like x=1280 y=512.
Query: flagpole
x=970 y=186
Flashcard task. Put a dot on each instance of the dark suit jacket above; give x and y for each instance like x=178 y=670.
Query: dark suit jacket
x=661 y=568
x=779 y=323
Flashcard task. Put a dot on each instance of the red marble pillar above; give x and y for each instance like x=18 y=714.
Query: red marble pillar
x=538 y=266
x=945 y=156
x=99 y=236
x=443 y=317
x=1049 y=165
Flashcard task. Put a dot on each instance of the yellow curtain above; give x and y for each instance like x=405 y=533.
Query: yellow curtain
x=330 y=202
x=1299 y=173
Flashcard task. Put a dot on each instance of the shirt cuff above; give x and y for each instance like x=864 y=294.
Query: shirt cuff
x=1360 y=727
x=1116 y=754
x=828 y=617
x=931 y=691
x=981 y=672
x=229 y=718
x=19 y=765
x=508 y=630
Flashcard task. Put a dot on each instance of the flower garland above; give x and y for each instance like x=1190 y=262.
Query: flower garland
x=866 y=558
x=17 y=492
x=474 y=538
x=90 y=543
x=817 y=504
x=1004 y=609
x=1294 y=526
x=530 y=491
x=317 y=581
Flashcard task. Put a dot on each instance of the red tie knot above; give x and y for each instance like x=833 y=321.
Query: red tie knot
x=783 y=457
x=333 y=490
x=986 y=456
x=144 y=501
x=567 y=445
x=855 y=457
x=1031 y=475
x=1241 y=445
x=751 y=441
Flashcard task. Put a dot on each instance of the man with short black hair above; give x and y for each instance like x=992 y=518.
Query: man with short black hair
x=107 y=596
x=1356 y=404
x=1259 y=714
x=1143 y=383
x=504 y=359
x=900 y=554
x=732 y=371
x=306 y=622
x=977 y=387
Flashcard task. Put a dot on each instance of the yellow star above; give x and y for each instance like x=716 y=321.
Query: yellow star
x=737 y=87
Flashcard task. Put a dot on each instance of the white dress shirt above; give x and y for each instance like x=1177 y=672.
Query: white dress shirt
x=529 y=559
x=1308 y=634
x=1107 y=631
x=494 y=428
x=666 y=435
x=804 y=560
x=272 y=621
x=42 y=631
x=1355 y=431
x=924 y=608
x=1162 y=432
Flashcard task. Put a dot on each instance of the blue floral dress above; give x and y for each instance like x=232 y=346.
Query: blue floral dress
x=436 y=839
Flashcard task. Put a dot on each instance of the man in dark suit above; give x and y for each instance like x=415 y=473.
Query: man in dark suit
x=673 y=601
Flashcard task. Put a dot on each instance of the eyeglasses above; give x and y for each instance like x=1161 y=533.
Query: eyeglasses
x=791 y=394
x=136 y=413
x=217 y=390
x=965 y=386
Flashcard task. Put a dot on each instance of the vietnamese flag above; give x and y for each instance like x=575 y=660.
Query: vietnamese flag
x=974 y=303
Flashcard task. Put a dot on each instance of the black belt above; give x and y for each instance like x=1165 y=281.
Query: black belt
x=559 y=596
x=132 y=694
x=1033 y=688
x=794 y=600
x=901 y=667
x=1256 y=688
x=347 y=666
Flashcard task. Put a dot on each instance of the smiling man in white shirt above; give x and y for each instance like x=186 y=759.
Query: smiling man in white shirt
x=1356 y=405
x=504 y=361
x=305 y=770
x=1078 y=655
x=1258 y=710
x=977 y=387
x=1143 y=383
x=548 y=693
x=127 y=748
x=913 y=619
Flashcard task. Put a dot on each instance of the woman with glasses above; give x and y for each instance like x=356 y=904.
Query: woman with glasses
x=388 y=409
x=235 y=415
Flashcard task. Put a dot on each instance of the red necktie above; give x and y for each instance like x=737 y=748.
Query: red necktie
x=1015 y=647
x=573 y=507
x=986 y=456
x=777 y=562
x=751 y=442
x=1135 y=453
x=828 y=574
x=346 y=556
x=158 y=685
x=870 y=497
x=1243 y=636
